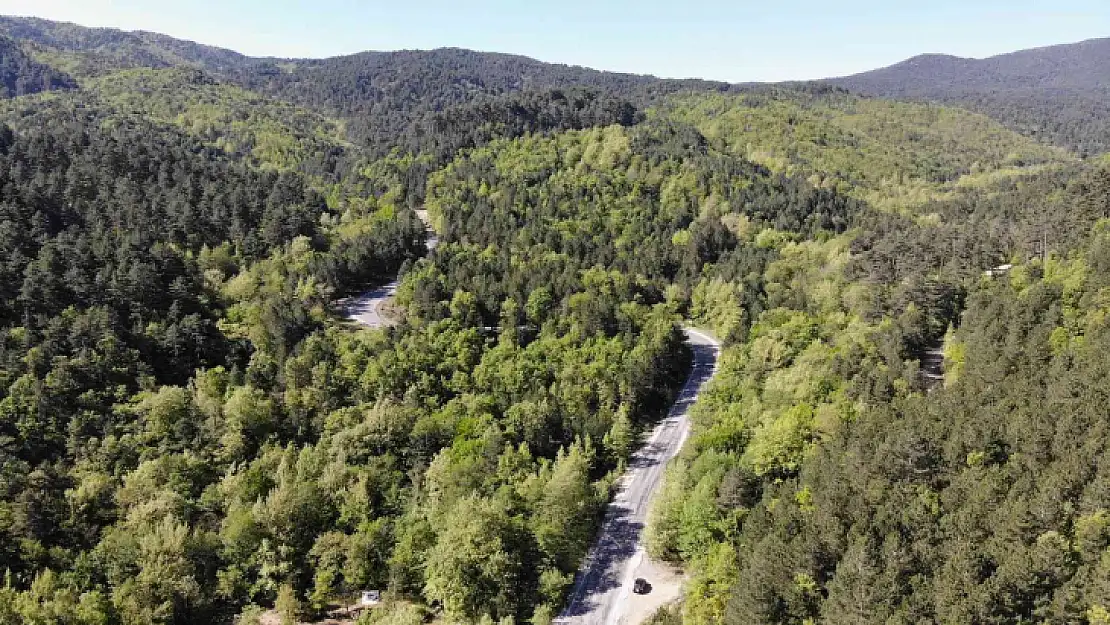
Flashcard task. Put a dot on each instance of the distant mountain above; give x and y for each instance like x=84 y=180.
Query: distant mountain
x=104 y=49
x=383 y=92
x=378 y=94
x=1058 y=94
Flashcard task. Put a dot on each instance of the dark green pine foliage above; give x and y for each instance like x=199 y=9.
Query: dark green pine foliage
x=22 y=75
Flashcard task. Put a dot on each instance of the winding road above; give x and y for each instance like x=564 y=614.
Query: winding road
x=365 y=309
x=602 y=592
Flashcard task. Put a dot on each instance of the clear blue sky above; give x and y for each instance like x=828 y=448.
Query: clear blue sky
x=734 y=40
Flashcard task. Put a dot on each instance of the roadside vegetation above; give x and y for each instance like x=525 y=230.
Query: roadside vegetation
x=190 y=433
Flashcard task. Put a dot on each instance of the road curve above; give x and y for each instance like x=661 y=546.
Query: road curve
x=603 y=587
x=366 y=309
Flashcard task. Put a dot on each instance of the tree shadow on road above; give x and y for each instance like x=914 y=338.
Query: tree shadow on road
x=620 y=534
x=603 y=573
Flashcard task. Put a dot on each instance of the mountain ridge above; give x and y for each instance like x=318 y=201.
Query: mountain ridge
x=43 y=31
x=1054 y=93
x=378 y=94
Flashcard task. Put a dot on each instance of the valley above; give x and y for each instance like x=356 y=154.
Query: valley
x=499 y=338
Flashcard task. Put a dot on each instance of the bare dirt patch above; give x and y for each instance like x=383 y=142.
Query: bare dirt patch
x=666 y=587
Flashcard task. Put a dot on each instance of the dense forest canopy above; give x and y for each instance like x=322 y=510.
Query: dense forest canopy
x=892 y=154
x=190 y=431
x=383 y=98
x=22 y=75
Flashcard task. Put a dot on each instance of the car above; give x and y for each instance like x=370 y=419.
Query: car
x=641 y=586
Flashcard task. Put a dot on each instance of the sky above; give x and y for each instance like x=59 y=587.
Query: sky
x=736 y=41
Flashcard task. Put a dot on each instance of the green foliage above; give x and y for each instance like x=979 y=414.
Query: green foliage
x=395 y=614
x=287 y=605
x=264 y=132
x=620 y=440
x=895 y=155
x=666 y=615
x=779 y=445
x=474 y=569
x=187 y=432
x=709 y=590
x=164 y=581
x=568 y=511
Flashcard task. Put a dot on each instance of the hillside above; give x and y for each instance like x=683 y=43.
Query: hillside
x=895 y=155
x=192 y=432
x=379 y=95
x=22 y=75
x=1057 y=94
x=262 y=130
x=382 y=92
x=89 y=51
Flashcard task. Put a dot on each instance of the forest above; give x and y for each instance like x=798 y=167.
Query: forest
x=1056 y=94
x=191 y=431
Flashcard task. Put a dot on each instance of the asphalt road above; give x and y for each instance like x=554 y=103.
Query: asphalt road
x=602 y=591
x=365 y=309
x=603 y=587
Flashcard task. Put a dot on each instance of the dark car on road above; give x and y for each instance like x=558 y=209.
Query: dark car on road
x=641 y=586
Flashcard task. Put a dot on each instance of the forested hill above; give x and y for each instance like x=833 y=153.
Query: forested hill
x=191 y=432
x=1057 y=94
x=382 y=92
x=109 y=48
x=380 y=95
x=22 y=75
